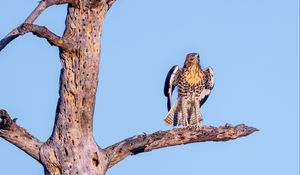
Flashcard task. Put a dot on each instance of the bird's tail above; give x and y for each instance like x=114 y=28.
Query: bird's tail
x=171 y=116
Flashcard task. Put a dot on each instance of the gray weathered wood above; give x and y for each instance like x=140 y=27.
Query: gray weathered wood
x=145 y=143
x=30 y=19
x=71 y=149
x=18 y=136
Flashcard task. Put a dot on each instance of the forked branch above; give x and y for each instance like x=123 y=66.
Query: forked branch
x=18 y=136
x=178 y=136
x=44 y=4
x=43 y=32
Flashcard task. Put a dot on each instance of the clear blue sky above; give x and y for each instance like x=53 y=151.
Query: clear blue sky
x=252 y=45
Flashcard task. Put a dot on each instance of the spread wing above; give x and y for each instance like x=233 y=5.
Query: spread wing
x=209 y=84
x=170 y=83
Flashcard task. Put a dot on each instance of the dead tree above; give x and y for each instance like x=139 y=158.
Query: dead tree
x=71 y=148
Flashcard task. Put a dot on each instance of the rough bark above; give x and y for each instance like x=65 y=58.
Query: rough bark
x=43 y=32
x=18 y=136
x=145 y=143
x=71 y=149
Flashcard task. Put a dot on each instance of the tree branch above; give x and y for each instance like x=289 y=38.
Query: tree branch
x=43 y=32
x=44 y=4
x=37 y=30
x=145 y=143
x=18 y=136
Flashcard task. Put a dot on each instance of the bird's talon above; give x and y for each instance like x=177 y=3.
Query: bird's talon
x=198 y=126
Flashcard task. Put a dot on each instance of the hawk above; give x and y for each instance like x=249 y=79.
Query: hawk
x=194 y=86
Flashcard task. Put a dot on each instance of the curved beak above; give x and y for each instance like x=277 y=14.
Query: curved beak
x=196 y=57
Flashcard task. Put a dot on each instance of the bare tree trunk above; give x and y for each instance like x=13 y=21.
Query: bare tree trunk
x=71 y=149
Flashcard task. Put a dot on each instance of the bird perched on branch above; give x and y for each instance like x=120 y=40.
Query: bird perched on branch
x=194 y=86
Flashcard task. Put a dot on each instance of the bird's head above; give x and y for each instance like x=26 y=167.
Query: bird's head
x=192 y=59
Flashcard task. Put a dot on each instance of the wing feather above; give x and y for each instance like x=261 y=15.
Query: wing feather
x=209 y=84
x=170 y=83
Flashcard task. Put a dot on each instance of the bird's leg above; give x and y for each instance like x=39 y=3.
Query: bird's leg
x=184 y=108
x=199 y=119
x=185 y=121
x=179 y=118
x=198 y=115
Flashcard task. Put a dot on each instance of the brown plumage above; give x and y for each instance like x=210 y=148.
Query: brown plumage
x=194 y=86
